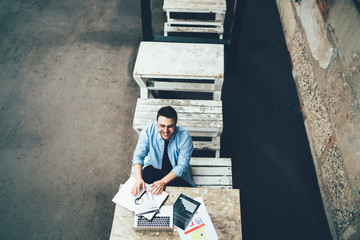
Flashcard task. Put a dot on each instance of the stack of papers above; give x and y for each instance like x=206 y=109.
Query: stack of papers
x=144 y=204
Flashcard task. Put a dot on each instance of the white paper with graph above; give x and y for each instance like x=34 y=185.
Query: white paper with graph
x=200 y=226
x=142 y=203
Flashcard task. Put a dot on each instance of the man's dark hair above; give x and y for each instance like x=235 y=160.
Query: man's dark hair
x=167 y=112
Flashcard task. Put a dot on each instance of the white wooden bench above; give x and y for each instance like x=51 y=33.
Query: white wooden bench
x=204 y=7
x=201 y=118
x=187 y=67
x=212 y=172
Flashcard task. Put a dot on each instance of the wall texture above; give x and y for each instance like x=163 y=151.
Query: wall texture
x=323 y=40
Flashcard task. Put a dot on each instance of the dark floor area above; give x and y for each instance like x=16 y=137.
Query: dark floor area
x=265 y=135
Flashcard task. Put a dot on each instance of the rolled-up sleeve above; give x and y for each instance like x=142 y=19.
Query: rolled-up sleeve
x=186 y=150
x=142 y=148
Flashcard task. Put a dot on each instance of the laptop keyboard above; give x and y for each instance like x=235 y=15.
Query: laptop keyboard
x=156 y=222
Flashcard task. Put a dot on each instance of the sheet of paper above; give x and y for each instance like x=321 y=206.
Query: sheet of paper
x=128 y=201
x=200 y=226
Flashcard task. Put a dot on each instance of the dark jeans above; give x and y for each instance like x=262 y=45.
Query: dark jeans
x=151 y=174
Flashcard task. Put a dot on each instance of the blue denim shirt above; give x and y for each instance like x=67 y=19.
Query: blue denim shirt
x=180 y=148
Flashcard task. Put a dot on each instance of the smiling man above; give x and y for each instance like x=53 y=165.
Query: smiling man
x=169 y=148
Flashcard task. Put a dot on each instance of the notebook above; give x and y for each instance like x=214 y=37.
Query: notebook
x=161 y=221
x=184 y=209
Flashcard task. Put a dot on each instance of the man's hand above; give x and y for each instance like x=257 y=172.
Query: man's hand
x=138 y=186
x=157 y=187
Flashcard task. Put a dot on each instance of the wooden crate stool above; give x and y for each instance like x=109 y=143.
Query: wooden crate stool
x=209 y=172
x=188 y=67
x=212 y=172
x=201 y=118
x=183 y=16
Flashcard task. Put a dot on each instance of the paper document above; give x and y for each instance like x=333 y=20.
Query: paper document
x=141 y=203
x=200 y=226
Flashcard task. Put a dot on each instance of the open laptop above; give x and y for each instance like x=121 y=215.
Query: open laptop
x=162 y=220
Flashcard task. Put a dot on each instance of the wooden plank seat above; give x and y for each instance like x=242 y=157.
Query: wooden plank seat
x=186 y=67
x=210 y=172
x=203 y=16
x=201 y=118
x=175 y=27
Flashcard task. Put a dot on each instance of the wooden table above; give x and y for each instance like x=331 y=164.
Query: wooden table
x=183 y=24
x=223 y=206
x=180 y=67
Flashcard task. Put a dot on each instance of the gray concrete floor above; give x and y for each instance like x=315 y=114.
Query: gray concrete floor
x=67 y=100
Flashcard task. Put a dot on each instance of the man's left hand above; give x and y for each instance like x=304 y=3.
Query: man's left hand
x=157 y=187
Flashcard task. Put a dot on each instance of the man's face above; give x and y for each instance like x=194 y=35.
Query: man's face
x=166 y=127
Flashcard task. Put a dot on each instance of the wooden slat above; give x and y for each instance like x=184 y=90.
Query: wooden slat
x=180 y=86
x=193 y=29
x=195 y=132
x=199 y=145
x=194 y=22
x=179 y=102
x=215 y=186
x=212 y=180
x=181 y=109
x=200 y=117
x=211 y=171
x=184 y=123
x=210 y=162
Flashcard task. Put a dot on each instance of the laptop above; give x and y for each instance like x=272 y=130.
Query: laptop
x=161 y=221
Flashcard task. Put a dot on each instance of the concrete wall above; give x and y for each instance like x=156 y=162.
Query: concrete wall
x=323 y=38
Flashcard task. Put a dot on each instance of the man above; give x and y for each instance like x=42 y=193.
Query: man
x=169 y=148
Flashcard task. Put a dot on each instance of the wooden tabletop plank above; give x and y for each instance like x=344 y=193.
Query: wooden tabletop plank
x=164 y=59
x=195 y=5
x=223 y=206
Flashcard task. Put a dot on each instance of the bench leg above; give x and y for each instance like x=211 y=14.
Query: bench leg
x=216 y=140
x=144 y=93
x=218 y=86
x=142 y=85
x=217 y=95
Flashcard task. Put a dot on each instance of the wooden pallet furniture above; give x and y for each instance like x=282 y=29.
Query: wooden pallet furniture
x=201 y=118
x=200 y=16
x=212 y=172
x=189 y=67
x=223 y=206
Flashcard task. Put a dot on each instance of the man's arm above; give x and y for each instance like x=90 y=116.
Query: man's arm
x=141 y=150
x=139 y=181
x=158 y=186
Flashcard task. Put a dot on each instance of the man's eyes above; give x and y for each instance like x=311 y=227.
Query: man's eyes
x=170 y=126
